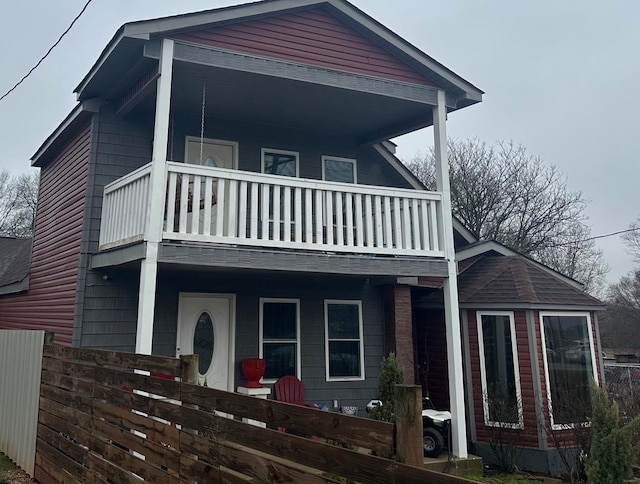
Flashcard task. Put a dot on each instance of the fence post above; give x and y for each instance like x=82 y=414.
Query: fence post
x=189 y=368
x=408 y=400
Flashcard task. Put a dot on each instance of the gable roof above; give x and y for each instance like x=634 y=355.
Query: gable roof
x=516 y=282
x=131 y=36
x=15 y=259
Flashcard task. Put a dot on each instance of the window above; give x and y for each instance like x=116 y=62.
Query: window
x=279 y=162
x=567 y=343
x=344 y=346
x=339 y=169
x=499 y=369
x=280 y=337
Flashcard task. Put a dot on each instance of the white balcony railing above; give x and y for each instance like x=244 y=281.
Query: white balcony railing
x=124 y=209
x=245 y=208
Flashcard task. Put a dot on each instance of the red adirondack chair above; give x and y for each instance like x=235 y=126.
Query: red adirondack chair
x=290 y=389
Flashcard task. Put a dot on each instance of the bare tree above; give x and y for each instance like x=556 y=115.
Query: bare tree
x=503 y=193
x=632 y=239
x=18 y=200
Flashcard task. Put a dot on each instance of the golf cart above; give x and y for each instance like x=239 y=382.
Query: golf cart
x=435 y=426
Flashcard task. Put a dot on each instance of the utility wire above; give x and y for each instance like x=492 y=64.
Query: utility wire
x=603 y=236
x=48 y=52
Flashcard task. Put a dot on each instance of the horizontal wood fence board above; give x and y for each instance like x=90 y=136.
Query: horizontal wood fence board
x=154 y=364
x=155 y=407
x=362 y=432
x=82 y=387
x=132 y=463
x=77 y=470
x=71 y=416
x=68 y=368
x=65 y=445
x=199 y=471
x=155 y=453
x=58 y=424
x=71 y=399
x=105 y=471
x=263 y=467
x=154 y=429
x=157 y=386
x=48 y=472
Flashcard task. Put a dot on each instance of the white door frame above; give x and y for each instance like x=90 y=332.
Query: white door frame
x=231 y=298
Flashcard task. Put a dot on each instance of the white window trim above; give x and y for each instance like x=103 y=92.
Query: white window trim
x=353 y=161
x=355 y=302
x=261 y=334
x=234 y=144
x=594 y=362
x=280 y=152
x=516 y=369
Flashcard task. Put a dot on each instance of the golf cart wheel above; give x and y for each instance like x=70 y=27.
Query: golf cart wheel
x=432 y=442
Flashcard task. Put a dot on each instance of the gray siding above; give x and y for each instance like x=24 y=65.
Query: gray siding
x=312 y=291
x=372 y=168
x=106 y=311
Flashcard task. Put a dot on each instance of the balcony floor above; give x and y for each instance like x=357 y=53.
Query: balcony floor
x=224 y=257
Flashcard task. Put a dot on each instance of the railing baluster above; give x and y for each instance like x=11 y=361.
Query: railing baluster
x=231 y=213
x=378 y=221
x=406 y=224
x=276 y=213
x=208 y=204
x=184 y=203
x=319 y=211
x=329 y=204
x=397 y=224
x=242 y=211
x=286 y=225
x=298 y=214
x=171 y=202
x=349 y=214
x=415 y=225
x=265 y=210
x=339 y=219
x=254 y=210
x=359 y=221
x=220 y=207
x=195 y=206
x=433 y=224
x=308 y=216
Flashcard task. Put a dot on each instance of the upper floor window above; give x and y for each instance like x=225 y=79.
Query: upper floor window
x=280 y=162
x=280 y=337
x=339 y=169
x=344 y=345
x=499 y=370
x=570 y=366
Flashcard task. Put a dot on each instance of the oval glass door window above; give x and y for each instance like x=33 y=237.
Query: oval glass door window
x=203 y=342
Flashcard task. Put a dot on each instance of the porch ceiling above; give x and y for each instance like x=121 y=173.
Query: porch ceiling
x=272 y=100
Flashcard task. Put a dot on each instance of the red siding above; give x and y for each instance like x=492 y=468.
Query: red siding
x=308 y=37
x=50 y=302
x=528 y=436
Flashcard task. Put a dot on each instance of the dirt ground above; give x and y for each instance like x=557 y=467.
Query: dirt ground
x=12 y=474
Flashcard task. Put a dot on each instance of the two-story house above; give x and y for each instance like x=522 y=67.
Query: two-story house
x=225 y=187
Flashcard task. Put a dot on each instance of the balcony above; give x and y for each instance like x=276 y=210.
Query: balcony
x=221 y=206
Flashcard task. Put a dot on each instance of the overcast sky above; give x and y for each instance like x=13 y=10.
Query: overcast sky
x=561 y=77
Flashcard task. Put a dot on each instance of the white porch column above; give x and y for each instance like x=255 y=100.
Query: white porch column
x=155 y=211
x=451 y=309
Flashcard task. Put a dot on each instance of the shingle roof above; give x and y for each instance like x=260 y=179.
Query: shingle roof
x=15 y=258
x=516 y=280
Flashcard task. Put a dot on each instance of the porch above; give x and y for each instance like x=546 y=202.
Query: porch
x=224 y=206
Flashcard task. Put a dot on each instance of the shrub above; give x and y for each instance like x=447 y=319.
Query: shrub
x=612 y=453
x=390 y=376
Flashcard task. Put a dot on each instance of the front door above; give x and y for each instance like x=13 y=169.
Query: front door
x=204 y=328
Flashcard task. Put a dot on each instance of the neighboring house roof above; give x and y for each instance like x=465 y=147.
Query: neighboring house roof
x=479 y=247
x=15 y=259
x=515 y=282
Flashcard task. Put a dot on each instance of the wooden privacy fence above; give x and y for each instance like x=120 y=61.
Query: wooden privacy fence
x=103 y=420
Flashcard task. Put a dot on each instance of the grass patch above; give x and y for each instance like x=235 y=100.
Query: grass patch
x=5 y=463
x=504 y=479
